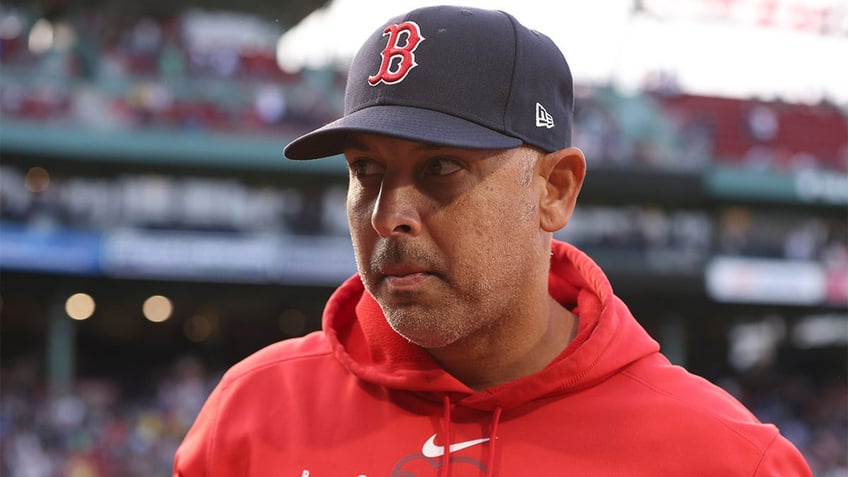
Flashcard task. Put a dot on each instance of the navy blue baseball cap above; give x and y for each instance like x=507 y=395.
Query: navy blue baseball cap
x=453 y=76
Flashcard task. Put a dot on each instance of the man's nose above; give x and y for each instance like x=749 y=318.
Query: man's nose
x=396 y=210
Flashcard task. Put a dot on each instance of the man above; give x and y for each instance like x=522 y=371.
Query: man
x=470 y=343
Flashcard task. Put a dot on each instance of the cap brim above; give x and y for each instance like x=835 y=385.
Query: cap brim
x=403 y=122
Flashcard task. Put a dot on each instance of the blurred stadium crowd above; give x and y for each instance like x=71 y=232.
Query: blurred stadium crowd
x=146 y=72
x=91 y=71
x=99 y=430
x=166 y=72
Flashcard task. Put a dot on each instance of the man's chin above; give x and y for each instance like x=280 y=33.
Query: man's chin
x=425 y=330
x=429 y=341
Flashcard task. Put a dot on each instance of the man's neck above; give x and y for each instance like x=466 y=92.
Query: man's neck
x=517 y=348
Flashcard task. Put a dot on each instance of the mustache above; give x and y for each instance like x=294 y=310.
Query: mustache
x=394 y=252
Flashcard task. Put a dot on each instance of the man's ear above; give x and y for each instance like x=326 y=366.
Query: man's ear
x=563 y=172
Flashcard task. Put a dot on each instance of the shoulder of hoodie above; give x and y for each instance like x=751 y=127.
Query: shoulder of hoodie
x=693 y=406
x=282 y=354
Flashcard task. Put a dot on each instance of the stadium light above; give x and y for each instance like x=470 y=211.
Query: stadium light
x=41 y=36
x=157 y=308
x=37 y=179
x=201 y=327
x=80 y=306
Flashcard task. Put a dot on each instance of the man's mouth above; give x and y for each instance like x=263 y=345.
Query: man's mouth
x=409 y=281
x=404 y=277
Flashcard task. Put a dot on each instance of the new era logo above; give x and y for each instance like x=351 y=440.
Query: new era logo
x=543 y=118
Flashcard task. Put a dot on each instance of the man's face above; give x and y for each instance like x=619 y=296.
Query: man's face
x=447 y=240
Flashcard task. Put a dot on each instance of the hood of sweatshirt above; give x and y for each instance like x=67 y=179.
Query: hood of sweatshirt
x=608 y=339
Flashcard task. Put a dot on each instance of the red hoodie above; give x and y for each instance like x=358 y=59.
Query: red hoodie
x=357 y=399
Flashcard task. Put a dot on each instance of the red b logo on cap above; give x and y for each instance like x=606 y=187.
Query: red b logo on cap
x=398 y=60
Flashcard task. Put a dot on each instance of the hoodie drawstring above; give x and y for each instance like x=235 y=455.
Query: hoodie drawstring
x=493 y=438
x=446 y=444
x=490 y=460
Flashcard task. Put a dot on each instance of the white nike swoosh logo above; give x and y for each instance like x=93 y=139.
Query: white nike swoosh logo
x=430 y=448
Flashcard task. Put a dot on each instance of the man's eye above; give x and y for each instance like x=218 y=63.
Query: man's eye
x=442 y=166
x=364 y=168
